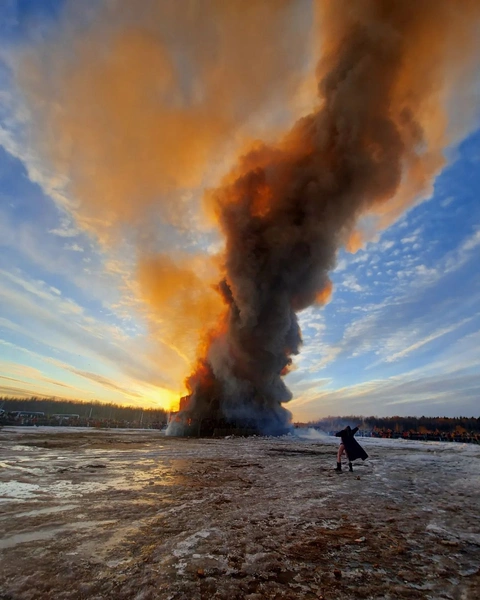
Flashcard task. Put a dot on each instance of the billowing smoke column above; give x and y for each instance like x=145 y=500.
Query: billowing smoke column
x=132 y=112
x=286 y=209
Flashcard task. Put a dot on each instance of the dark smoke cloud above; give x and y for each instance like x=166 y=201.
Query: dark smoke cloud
x=373 y=147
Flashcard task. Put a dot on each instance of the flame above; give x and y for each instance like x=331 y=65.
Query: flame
x=262 y=200
x=202 y=372
x=289 y=367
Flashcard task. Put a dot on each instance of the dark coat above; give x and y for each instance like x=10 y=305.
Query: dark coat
x=352 y=447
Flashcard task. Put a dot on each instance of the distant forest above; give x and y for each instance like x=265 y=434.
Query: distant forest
x=421 y=425
x=97 y=413
x=87 y=411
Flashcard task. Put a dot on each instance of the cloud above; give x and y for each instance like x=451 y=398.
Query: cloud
x=74 y=247
x=405 y=351
x=418 y=305
x=59 y=324
x=386 y=245
x=31 y=377
x=433 y=395
x=409 y=239
x=31 y=380
x=66 y=229
x=350 y=282
x=124 y=89
x=105 y=382
x=447 y=201
x=461 y=255
x=26 y=392
x=472 y=242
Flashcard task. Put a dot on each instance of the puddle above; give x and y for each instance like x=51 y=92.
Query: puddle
x=21 y=448
x=18 y=490
x=69 y=489
x=31 y=471
x=47 y=534
x=42 y=511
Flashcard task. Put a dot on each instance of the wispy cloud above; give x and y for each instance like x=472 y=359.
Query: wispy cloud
x=439 y=395
x=426 y=340
x=472 y=242
x=350 y=283
x=105 y=382
x=74 y=247
x=60 y=325
x=66 y=229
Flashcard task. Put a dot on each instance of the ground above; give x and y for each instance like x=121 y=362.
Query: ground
x=100 y=514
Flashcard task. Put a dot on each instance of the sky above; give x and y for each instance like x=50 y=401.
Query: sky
x=100 y=194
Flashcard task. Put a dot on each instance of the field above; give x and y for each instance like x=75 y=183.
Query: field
x=111 y=514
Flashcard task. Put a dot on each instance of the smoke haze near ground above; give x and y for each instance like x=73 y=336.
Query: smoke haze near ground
x=140 y=107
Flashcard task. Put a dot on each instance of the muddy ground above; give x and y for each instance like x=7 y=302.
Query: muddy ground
x=135 y=515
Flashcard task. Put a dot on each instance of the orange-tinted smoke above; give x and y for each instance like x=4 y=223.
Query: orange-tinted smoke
x=372 y=147
x=437 y=43
x=181 y=300
x=145 y=102
x=137 y=108
x=325 y=294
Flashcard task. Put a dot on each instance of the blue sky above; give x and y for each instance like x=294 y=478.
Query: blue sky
x=401 y=334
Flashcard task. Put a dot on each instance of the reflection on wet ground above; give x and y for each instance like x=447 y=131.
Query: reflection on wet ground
x=124 y=515
x=109 y=483
x=47 y=534
x=41 y=511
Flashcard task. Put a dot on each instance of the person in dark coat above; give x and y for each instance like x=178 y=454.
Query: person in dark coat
x=350 y=446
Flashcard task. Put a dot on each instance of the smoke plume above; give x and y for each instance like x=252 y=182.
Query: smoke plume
x=373 y=146
x=139 y=109
x=136 y=107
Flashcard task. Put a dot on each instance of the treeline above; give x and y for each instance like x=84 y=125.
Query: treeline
x=401 y=424
x=91 y=411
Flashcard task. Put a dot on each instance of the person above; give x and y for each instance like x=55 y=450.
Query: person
x=350 y=446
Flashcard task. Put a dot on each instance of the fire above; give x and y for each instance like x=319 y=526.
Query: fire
x=262 y=200
x=202 y=373
x=288 y=367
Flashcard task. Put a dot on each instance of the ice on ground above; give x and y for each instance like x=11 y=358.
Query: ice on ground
x=121 y=514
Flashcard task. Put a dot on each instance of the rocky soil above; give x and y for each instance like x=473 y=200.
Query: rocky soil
x=135 y=515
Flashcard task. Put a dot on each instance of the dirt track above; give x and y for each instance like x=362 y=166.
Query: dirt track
x=104 y=515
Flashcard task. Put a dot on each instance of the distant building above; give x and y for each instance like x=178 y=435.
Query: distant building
x=184 y=400
x=66 y=417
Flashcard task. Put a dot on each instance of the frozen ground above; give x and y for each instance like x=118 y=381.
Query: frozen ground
x=132 y=514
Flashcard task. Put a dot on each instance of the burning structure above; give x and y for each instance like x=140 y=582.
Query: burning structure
x=371 y=148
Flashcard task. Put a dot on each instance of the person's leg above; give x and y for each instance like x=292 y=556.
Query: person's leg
x=341 y=450
x=350 y=465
